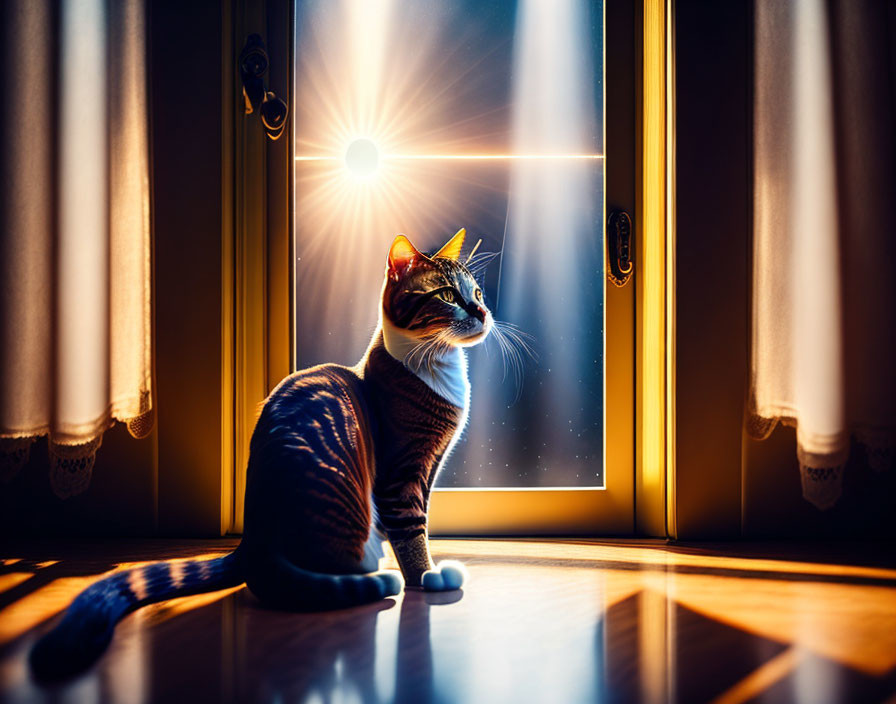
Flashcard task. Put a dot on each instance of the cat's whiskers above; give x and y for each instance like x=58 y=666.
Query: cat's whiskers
x=441 y=346
x=409 y=360
x=473 y=252
x=477 y=264
x=508 y=353
x=427 y=351
x=514 y=346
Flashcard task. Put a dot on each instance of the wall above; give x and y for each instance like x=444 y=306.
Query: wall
x=712 y=230
x=187 y=96
x=774 y=507
x=121 y=499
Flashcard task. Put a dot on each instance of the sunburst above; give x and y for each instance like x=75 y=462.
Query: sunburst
x=389 y=129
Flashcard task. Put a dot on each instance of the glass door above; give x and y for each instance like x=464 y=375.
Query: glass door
x=422 y=118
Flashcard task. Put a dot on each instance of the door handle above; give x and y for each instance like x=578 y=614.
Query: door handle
x=619 y=247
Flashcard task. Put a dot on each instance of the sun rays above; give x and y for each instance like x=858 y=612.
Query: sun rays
x=399 y=128
x=376 y=73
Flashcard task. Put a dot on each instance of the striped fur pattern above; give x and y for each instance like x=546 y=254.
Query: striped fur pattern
x=340 y=458
x=89 y=622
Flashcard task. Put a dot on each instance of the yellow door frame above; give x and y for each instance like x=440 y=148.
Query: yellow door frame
x=258 y=346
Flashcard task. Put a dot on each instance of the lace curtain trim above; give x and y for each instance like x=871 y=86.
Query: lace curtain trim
x=71 y=464
x=821 y=475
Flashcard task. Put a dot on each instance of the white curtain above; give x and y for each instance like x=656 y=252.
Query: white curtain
x=75 y=296
x=824 y=257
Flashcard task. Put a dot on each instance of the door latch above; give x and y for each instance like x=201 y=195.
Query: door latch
x=619 y=247
x=253 y=64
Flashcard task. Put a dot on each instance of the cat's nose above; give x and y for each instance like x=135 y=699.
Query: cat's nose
x=475 y=310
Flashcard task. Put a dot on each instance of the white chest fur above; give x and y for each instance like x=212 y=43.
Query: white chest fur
x=445 y=374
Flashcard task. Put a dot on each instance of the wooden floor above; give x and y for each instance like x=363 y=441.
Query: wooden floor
x=538 y=622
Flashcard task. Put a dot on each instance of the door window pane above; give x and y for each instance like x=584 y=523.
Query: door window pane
x=429 y=116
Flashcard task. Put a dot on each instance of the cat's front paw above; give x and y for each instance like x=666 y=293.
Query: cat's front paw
x=448 y=575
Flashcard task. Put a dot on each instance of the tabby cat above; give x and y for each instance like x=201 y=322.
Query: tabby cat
x=340 y=459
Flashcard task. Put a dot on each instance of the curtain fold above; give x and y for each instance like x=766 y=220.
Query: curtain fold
x=824 y=257
x=75 y=262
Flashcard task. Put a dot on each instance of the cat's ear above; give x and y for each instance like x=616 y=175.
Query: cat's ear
x=452 y=247
x=401 y=255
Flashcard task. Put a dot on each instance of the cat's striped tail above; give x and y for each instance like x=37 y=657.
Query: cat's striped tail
x=87 y=627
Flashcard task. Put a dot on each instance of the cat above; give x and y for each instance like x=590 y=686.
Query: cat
x=340 y=459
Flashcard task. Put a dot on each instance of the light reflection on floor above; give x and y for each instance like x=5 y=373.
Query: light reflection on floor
x=539 y=622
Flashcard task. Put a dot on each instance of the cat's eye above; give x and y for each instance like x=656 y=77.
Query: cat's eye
x=477 y=294
x=448 y=295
